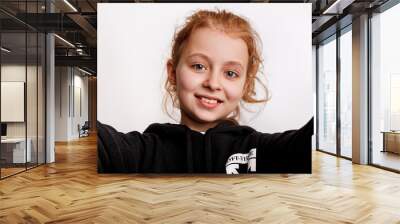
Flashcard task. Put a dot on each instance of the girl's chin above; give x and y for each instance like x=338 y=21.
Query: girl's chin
x=206 y=118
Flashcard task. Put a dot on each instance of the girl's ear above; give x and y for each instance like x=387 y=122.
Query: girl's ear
x=171 y=72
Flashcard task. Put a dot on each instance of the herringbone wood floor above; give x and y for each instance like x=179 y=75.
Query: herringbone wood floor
x=71 y=191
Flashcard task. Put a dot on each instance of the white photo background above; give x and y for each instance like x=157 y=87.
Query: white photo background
x=134 y=42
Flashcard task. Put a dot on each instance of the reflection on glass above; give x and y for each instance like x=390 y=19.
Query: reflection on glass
x=31 y=101
x=386 y=89
x=346 y=94
x=22 y=90
x=395 y=102
x=41 y=97
x=327 y=96
x=14 y=153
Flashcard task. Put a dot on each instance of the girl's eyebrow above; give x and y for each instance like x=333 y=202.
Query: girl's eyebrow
x=199 y=55
x=234 y=63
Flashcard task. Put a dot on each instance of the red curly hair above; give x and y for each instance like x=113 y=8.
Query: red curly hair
x=228 y=23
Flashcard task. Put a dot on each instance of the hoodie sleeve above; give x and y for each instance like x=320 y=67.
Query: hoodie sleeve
x=286 y=152
x=123 y=153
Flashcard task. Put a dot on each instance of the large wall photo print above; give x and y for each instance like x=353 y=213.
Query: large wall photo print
x=204 y=88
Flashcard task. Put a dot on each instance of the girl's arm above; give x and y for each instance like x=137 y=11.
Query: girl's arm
x=122 y=153
x=286 y=152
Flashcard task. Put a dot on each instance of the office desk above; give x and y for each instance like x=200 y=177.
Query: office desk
x=16 y=148
x=391 y=141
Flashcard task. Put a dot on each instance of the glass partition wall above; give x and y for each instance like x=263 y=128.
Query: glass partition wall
x=334 y=111
x=346 y=92
x=327 y=95
x=22 y=87
x=385 y=89
x=13 y=91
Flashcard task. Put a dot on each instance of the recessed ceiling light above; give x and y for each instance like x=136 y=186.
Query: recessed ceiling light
x=70 y=5
x=64 y=40
x=337 y=7
x=5 y=50
x=84 y=71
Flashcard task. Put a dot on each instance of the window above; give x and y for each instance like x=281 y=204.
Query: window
x=385 y=88
x=327 y=96
x=346 y=93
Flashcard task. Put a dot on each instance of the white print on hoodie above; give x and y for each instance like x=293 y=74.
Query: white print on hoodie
x=232 y=164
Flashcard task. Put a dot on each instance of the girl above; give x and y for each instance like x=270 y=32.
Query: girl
x=213 y=66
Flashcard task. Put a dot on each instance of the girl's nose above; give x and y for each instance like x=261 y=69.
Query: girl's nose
x=212 y=82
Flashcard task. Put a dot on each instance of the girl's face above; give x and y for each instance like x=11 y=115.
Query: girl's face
x=210 y=76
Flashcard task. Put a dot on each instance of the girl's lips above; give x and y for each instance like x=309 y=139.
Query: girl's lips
x=207 y=102
x=208 y=97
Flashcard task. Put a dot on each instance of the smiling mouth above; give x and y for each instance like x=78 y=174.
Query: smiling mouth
x=208 y=99
x=208 y=103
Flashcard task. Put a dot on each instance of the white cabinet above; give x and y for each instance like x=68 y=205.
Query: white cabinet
x=391 y=142
x=19 y=155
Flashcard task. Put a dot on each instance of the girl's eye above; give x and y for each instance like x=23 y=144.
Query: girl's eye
x=232 y=74
x=199 y=67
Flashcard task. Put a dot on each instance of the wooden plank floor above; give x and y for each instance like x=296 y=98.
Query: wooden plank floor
x=71 y=191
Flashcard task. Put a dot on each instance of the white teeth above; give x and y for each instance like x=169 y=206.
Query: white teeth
x=210 y=101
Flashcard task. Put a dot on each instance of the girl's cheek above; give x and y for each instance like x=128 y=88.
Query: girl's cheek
x=188 y=80
x=233 y=91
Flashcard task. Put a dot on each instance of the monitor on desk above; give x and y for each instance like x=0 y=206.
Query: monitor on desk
x=3 y=130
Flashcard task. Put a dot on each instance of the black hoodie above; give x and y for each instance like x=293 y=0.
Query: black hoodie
x=226 y=148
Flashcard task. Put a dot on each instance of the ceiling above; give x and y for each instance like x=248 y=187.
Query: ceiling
x=76 y=22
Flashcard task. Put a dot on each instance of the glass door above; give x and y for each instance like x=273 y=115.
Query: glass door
x=327 y=95
x=346 y=93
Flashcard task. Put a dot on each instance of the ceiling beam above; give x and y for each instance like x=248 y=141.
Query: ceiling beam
x=86 y=26
x=84 y=61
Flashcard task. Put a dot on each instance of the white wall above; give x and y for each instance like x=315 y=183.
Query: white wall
x=61 y=103
x=80 y=82
x=69 y=79
x=314 y=87
x=33 y=126
x=15 y=72
x=134 y=44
